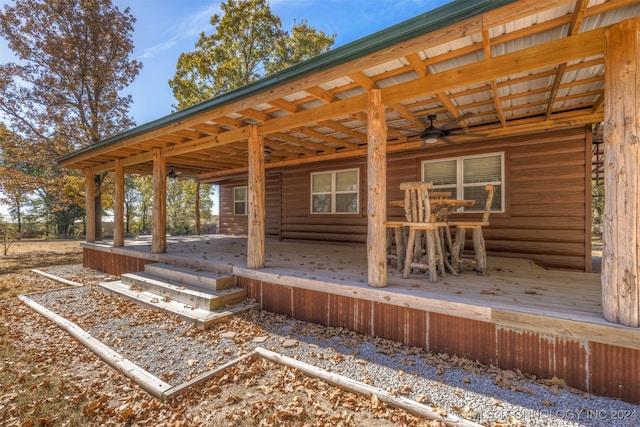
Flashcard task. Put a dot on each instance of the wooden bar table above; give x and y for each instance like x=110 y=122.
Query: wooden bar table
x=441 y=208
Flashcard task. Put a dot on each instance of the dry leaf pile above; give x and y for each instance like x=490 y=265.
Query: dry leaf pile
x=48 y=378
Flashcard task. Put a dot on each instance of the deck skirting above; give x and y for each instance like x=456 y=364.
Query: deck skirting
x=599 y=358
x=585 y=365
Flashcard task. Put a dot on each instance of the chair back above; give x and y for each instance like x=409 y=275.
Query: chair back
x=416 y=201
x=487 y=207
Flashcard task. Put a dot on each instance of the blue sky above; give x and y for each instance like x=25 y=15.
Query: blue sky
x=166 y=28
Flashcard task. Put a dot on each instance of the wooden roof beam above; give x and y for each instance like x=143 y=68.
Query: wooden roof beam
x=230 y=122
x=581 y=45
x=421 y=69
x=285 y=105
x=339 y=127
x=284 y=146
x=208 y=129
x=363 y=80
x=252 y=113
x=303 y=142
x=368 y=84
x=321 y=94
x=486 y=45
x=305 y=130
x=576 y=21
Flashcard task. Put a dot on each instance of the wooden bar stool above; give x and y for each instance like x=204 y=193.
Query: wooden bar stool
x=418 y=214
x=478 y=239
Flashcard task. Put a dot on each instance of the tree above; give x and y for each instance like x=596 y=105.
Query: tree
x=247 y=43
x=8 y=235
x=15 y=170
x=181 y=199
x=63 y=93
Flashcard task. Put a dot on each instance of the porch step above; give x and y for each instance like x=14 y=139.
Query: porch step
x=200 y=317
x=183 y=275
x=194 y=296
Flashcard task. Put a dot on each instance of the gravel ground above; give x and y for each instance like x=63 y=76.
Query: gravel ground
x=176 y=352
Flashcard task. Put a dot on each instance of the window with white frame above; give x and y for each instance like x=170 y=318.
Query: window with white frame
x=466 y=177
x=335 y=192
x=240 y=200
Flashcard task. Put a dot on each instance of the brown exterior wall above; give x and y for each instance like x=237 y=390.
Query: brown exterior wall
x=547 y=198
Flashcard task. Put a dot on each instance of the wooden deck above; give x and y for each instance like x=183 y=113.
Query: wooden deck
x=545 y=322
x=514 y=285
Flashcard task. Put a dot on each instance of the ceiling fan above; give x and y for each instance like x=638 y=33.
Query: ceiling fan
x=172 y=173
x=433 y=134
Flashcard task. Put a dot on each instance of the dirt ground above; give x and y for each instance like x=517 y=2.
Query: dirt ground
x=49 y=379
x=27 y=254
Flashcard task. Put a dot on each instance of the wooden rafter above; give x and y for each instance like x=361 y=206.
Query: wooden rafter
x=323 y=114
x=576 y=20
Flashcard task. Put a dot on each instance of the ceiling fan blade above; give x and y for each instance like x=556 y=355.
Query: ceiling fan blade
x=455 y=121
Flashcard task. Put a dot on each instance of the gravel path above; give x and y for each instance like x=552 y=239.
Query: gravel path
x=176 y=352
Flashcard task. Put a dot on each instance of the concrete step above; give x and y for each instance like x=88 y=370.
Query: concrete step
x=200 y=317
x=183 y=275
x=194 y=296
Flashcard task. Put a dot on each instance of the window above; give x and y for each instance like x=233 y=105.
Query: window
x=240 y=200
x=466 y=177
x=335 y=192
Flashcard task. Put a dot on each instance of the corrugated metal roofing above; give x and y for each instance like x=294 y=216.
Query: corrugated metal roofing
x=321 y=104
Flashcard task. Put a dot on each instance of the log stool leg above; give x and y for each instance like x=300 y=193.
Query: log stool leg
x=431 y=255
x=458 y=248
x=409 y=255
x=400 y=246
x=479 y=249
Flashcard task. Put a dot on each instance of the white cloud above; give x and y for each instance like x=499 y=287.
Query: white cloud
x=156 y=49
x=187 y=21
x=197 y=22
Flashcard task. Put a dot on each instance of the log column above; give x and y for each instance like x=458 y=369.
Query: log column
x=118 y=206
x=256 y=237
x=376 y=191
x=621 y=237
x=159 y=211
x=90 y=195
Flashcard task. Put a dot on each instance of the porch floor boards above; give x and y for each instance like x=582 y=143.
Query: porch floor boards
x=510 y=284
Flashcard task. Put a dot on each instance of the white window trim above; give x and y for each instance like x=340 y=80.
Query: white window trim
x=334 y=192
x=246 y=200
x=460 y=176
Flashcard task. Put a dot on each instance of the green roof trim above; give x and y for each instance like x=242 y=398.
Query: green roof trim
x=424 y=23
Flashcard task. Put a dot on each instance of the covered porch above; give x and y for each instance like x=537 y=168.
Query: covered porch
x=533 y=78
x=544 y=322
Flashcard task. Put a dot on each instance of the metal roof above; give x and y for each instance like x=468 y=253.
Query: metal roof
x=507 y=67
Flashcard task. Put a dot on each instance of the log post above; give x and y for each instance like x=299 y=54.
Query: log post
x=159 y=211
x=376 y=191
x=90 y=195
x=621 y=236
x=118 y=206
x=256 y=232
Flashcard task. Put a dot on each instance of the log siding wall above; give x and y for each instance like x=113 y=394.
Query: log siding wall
x=546 y=218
